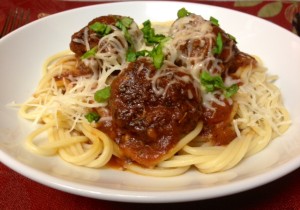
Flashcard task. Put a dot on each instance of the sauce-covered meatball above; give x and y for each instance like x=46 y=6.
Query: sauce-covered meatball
x=104 y=42
x=79 y=39
x=201 y=45
x=152 y=109
x=196 y=46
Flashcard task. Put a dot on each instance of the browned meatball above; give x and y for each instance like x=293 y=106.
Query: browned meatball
x=195 y=38
x=77 y=45
x=193 y=45
x=152 y=109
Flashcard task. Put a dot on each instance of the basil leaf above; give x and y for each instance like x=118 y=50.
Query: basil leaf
x=219 y=45
x=91 y=53
x=158 y=56
x=92 y=116
x=212 y=83
x=132 y=56
x=126 y=21
x=149 y=34
x=230 y=91
x=124 y=24
x=183 y=13
x=214 y=21
x=102 y=95
x=232 y=38
x=100 y=28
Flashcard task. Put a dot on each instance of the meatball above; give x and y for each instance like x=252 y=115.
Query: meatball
x=110 y=48
x=152 y=109
x=194 y=40
x=78 y=46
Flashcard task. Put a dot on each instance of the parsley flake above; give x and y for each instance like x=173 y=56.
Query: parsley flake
x=100 y=28
x=102 y=95
x=212 y=83
x=183 y=13
x=124 y=24
x=214 y=21
x=149 y=34
x=219 y=45
x=90 y=53
x=92 y=117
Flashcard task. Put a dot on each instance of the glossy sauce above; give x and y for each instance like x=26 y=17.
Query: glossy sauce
x=147 y=124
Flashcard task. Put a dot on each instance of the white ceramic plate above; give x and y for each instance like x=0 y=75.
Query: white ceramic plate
x=21 y=58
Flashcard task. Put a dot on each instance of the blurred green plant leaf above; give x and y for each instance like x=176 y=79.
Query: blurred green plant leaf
x=243 y=3
x=270 y=10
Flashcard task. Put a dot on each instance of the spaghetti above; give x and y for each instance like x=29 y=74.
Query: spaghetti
x=159 y=103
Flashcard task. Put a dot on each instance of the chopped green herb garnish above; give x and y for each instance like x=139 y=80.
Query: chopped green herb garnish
x=91 y=53
x=219 y=45
x=214 y=21
x=157 y=40
x=149 y=34
x=92 y=117
x=150 y=37
x=230 y=91
x=157 y=55
x=183 y=13
x=132 y=56
x=126 y=21
x=211 y=83
x=100 y=28
x=124 y=24
x=102 y=95
x=232 y=38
